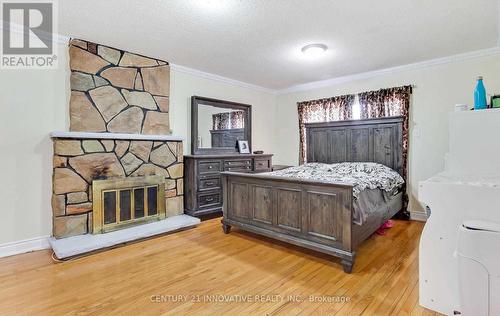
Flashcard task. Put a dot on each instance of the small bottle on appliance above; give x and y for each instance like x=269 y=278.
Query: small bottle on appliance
x=480 y=95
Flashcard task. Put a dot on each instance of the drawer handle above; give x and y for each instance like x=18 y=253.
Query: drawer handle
x=210 y=199
x=210 y=167
x=229 y=163
x=209 y=183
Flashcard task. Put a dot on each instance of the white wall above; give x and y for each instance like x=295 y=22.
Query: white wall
x=437 y=90
x=34 y=103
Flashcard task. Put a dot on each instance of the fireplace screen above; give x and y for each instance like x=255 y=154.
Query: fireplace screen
x=120 y=203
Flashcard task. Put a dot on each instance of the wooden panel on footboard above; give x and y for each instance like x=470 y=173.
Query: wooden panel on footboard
x=306 y=213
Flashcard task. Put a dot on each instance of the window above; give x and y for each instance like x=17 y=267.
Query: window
x=356 y=109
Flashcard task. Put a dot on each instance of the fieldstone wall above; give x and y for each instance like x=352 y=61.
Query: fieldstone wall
x=77 y=163
x=117 y=91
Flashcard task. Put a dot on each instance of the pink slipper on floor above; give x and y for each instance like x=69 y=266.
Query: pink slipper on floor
x=388 y=224
x=381 y=231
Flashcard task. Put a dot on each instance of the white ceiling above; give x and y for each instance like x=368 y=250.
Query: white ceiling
x=259 y=41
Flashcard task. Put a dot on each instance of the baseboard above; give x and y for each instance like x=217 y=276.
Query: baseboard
x=23 y=246
x=418 y=216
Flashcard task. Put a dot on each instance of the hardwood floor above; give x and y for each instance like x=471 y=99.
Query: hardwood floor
x=204 y=264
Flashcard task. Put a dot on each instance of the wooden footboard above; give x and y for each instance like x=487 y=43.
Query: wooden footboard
x=306 y=213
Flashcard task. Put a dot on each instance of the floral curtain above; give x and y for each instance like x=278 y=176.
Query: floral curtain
x=237 y=119
x=228 y=120
x=389 y=102
x=220 y=121
x=323 y=110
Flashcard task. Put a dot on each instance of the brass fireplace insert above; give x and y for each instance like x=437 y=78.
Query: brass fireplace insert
x=120 y=203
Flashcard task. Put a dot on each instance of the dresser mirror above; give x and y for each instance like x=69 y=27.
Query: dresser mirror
x=218 y=125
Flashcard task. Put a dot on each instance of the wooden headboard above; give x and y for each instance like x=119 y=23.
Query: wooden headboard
x=371 y=140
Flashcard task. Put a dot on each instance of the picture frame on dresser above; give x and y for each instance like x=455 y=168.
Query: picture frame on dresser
x=243 y=147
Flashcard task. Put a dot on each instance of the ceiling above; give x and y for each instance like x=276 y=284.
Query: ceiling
x=259 y=41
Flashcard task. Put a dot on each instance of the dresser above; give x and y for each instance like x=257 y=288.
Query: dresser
x=202 y=182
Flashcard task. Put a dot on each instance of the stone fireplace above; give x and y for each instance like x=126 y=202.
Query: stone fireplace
x=118 y=166
x=81 y=158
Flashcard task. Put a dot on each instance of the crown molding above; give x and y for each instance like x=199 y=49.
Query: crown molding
x=370 y=74
x=61 y=39
x=210 y=76
x=19 y=29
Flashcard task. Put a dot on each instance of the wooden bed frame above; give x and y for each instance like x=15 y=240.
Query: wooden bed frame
x=313 y=214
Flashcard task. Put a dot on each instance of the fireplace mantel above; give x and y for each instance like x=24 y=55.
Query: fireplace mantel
x=114 y=136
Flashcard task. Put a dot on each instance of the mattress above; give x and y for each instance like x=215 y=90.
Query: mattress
x=373 y=184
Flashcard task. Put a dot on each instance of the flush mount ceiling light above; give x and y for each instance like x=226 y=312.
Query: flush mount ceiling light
x=211 y=5
x=314 y=50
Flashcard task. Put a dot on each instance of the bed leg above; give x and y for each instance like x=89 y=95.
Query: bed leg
x=226 y=228
x=347 y=265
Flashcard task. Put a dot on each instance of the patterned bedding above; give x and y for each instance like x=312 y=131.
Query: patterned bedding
x=366 y=178
x=362 y=175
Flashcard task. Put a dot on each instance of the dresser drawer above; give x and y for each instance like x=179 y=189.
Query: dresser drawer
x=239 y=169
x=213 y=166
x=262 y=164
x=242 y=163
x=209 y=183
x=203 y=182
x=209 y=199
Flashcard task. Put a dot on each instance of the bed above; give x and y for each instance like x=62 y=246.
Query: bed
x=325 y=214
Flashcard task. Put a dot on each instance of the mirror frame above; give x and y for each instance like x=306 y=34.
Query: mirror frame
x=196 y=101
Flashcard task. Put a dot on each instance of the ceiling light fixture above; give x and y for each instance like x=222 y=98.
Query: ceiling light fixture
x=314 y=50
x=211 y=5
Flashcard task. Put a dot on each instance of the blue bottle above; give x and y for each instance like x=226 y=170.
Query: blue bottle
x=480 y=95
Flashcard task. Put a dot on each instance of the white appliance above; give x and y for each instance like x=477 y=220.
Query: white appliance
x=478 y=254
x=468 y=189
